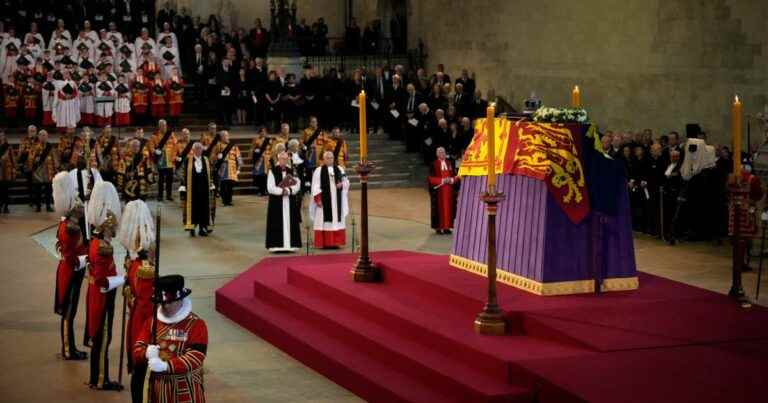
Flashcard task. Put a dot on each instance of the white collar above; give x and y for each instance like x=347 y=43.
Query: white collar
x=182 y=314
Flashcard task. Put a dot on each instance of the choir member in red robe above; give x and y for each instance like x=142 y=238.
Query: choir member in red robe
x=443 y=184
x=69 y=273
x=175 y=357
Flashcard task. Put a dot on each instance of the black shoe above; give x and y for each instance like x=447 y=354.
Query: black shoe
x=448 y=232
x=192 y=233
x=108 y=385
x=76 y=355
x=38 y=209
x=202 y=232
x=49 y=209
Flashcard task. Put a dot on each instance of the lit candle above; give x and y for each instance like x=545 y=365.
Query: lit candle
x=490 y=115
x=576 y=97
x=363 y=128
x=736 y=133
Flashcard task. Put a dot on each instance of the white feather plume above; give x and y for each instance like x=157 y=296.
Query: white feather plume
x=104 y=198
x=137 y=228
x=64 y=194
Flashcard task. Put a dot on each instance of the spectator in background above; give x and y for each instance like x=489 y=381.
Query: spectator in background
x=370 y=39
x=352 y=38
x=225 y=84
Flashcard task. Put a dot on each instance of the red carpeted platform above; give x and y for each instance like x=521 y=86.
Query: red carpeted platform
x=410 y=338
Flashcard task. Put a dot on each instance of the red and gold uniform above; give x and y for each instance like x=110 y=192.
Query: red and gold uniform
x=69 y=278
x=140 y=94
x=340 y=151
x=138 y=294
x=157 y=99
x=31 y=97
x=100 y=310
x=182 y=346
x=175 y=96
x=11 y=103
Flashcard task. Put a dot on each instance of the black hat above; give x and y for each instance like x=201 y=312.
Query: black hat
x=104 y=86
x=23 y=61
x=104 y=65
x=76 y=75
x=67 y=61
x=167 y=55
x=111 y=77
x=125 y=66
x=11 y=47
x=86 y=64
x=47 y=65
x=57 y=75
x=171 y=288
x=85 y=87
x=67 y=89
x=125 y=50
x=692 y=130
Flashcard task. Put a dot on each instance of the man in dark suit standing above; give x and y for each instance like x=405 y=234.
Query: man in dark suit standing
x=394 y=108
x=467 y=81
x=461 y=101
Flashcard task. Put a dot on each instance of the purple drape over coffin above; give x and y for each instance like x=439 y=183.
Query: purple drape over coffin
x=535 y=239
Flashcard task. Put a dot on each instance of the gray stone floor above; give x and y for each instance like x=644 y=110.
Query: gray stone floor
x=240 y=366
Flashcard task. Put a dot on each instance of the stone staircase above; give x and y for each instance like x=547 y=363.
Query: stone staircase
x=394 y=167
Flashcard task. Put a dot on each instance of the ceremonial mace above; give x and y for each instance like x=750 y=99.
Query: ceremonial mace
x=364 y=271
x=491 y=320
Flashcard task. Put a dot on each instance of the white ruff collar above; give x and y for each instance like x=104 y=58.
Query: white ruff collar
x=182 y=314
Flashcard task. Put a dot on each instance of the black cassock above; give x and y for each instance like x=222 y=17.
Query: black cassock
x=282 y=224
x=198 y=204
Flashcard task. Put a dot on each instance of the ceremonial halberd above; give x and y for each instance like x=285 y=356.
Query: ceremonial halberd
x=565 y=222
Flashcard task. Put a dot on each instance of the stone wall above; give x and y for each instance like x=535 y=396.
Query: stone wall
x=640 y=63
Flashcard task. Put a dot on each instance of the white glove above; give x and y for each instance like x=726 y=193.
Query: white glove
x=153 y=351
x=158 y=365
x=158 y=152
x=213 y=187
x=220 y=156
x=182 y=188
x=178 y=159
x=114 y=282
x=82 y=263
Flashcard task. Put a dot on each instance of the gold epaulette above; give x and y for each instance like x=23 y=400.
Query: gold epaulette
x=146 y=271
x=105 y=248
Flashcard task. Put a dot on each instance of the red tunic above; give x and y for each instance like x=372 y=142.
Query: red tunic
x=70 y=246
x=141 y=284
x=183 y=345
x=102 y=265
x=139 y=101
x=443 y=197
x=11 y=104
x=30 y=105
x=158 y=102
x=175 y=98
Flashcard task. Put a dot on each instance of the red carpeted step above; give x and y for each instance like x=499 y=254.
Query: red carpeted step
x=364 y=376
x=436 y=321
x=391 y=346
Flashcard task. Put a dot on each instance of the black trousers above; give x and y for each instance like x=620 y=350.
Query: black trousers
x=226 y=191
x=68 y=316
x=5 y=197
x=165 y=181
x=43 y=193
x=100 y=345
x=260 y=183
x=138 y=373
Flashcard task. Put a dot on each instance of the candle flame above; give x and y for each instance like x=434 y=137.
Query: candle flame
x=736 y=99
x=576 y=88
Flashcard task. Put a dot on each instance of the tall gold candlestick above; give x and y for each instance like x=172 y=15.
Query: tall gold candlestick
x=363 y=128
x=491 y=129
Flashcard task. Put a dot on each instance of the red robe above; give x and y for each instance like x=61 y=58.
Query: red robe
x=175 y=98
x=102 y=265
x=157 y=101
x=70 y=246
x=141 y=284
x=11 y=103
x=184 y=346
x=30 y=105
x=444 y=197
x=139 y=102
